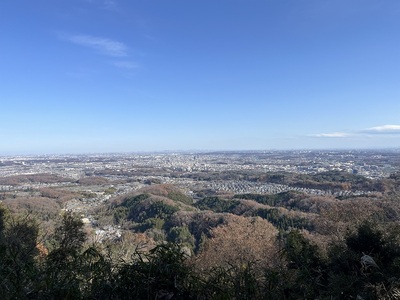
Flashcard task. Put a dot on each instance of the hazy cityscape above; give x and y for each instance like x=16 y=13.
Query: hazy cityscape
x=174 y=167
x=102 y=178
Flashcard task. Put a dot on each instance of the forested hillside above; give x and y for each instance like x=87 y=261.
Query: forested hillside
x=158 y=242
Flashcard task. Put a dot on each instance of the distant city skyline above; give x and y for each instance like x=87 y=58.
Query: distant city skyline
x=98 y=76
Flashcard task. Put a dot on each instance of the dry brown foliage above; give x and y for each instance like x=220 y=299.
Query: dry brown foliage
x=60 y=194
x=159 y=189
x=42 y=251
x=130 y=242
x=32 y=178
x=248 y=207
x=37 y=205
x=336 y=218
x=200 y=221
x=238 y=241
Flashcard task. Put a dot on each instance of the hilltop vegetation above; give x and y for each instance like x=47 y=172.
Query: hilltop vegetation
x=157 y=242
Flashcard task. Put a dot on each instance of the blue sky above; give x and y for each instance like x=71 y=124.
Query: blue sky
x=82 y=76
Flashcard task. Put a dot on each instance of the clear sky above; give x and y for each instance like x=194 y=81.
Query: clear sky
x=152 y=75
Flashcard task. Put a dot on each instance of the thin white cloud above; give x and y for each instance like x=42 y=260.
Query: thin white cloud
x=110 y=5
x=368 y=132
x=125 y=64
x=384 y=129
x=332 y=135
x=103 y=45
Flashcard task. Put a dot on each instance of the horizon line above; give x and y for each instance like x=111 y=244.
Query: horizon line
x=83 y=153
